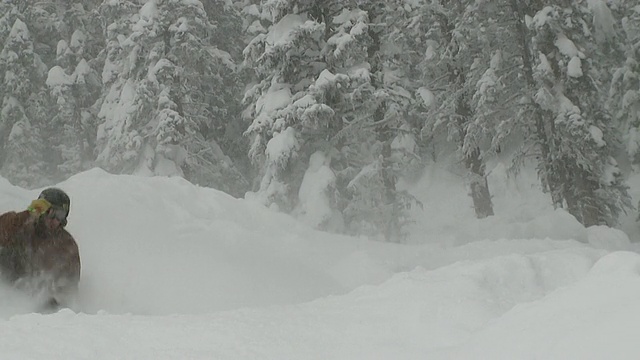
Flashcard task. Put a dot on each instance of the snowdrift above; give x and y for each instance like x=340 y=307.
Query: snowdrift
x=172 y=270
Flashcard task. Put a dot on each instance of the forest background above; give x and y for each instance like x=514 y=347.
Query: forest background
x=327 y=109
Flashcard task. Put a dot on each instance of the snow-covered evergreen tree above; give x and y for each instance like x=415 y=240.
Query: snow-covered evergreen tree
x=74 y=86
x=403 y=45
x=579 y=168
x=282 y=54
x=387 y=121
x=227 y=89
x=461 y=66
x=160 y=65
x=624 y=94
x=21 y=144
x=8 y=15
x=320 y=93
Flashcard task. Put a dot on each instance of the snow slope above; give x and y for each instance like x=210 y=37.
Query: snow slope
x=175 y=271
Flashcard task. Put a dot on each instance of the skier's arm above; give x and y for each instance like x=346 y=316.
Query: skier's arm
x=10 y=223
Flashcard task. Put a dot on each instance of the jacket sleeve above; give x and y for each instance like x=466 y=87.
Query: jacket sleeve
x=10 y=223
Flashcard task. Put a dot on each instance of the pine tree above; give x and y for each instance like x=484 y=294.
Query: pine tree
x=460 y=69
x=390 y=123
x=573 y=128
x=624 y=93
x=287 y=62
x=75 y=86
x=320 y=93
x=8 y=15
x=226 y=90
x=116 y=146
x=20 y=141
x=162 y=62
x=403 y=45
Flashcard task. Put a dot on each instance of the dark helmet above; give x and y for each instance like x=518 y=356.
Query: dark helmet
x=58 y=199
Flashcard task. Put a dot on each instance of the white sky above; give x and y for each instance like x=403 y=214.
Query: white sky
x=174 y=271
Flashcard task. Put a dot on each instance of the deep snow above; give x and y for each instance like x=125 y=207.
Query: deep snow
x=176 y=271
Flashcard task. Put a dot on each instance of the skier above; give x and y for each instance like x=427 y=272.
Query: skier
x=37 y=254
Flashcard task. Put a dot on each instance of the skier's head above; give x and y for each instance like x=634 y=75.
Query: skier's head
x=60 y=203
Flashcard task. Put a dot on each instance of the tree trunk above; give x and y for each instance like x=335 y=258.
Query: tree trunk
x=474 y=163
x=580 y=197
x=392 y=230
x=479 y=185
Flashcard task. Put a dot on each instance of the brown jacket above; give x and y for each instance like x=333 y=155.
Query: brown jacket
x=38 y=259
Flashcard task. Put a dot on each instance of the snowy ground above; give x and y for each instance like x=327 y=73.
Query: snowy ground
x=174 y=271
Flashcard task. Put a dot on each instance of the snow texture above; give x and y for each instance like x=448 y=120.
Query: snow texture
x=315 y=207
x=176 y=271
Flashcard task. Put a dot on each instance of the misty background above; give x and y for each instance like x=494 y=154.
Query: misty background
x=328 y=110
